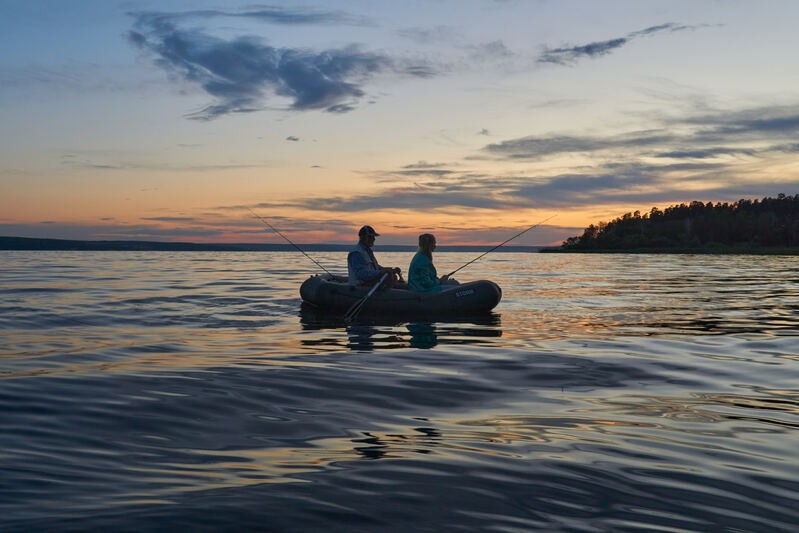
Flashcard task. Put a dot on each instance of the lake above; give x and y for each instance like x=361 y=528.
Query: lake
x=148 y=391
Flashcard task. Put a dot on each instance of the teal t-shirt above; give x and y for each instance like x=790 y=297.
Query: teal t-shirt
x=422 y=276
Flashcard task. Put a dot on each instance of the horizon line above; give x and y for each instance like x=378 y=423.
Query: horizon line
x=47 y=243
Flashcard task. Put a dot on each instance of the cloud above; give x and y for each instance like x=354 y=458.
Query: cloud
x=715 y=156
x=767 y=122
x=407 y=199
x=171 y=219
x=710 y=169
x=564 y=56
x=537 y=147
x=65 y=230
x=267 y=14
x=610 y=184
x=292 y=138
x=242 y=73
x=124 y=161
x=345 y=229
x=435 y=36
x=423 y=165
x=75 y=77
x=748 y=132
x=438 y=197
x=571 y=54
x=491 y=51
x=279 y=15
x=787 y=148
x=626 y=171
x=668 y=27
x=453 y=190
x=632 y=183
x=418 y=169
x=706 y=153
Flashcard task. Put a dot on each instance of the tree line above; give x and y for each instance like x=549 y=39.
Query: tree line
x=770 y=222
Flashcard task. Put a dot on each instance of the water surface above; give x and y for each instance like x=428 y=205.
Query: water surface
x=143 y=391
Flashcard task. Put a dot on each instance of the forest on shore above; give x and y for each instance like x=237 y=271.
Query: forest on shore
x=753 y=226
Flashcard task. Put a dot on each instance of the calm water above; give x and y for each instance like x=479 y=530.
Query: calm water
x=145 y=391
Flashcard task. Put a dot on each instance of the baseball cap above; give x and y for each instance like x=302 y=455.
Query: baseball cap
x=368 y=230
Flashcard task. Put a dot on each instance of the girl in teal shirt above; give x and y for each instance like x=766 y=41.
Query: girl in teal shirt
x=422 y=275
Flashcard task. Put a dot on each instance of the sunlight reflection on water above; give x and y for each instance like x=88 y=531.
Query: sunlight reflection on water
x=145 y=390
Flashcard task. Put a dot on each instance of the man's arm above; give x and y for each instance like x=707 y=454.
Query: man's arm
x=389 y=270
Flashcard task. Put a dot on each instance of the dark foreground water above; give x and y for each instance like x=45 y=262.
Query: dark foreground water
x=187 y=391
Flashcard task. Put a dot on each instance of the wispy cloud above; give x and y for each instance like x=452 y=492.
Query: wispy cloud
x=565 y=56
x=127 y=160
x=706 y=153
x=413 y=199
x=241 y=73
x=766 y=123
x=71 y=77
x=728 y=149
x=747 y=132
x=536 y=147
x=434 y=36
x=709 y=156
x=669 y=27
x=568 y=55
x=490 y=51
x=419 y=169
x=170 y=219
x=634 y=183
x=66 y=230
x=268 y=14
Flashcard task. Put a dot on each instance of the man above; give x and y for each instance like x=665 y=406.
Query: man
x=363 y=268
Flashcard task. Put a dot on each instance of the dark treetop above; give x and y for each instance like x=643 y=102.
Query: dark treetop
x=745 y=225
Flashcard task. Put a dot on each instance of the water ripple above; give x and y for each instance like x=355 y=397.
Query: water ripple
x=625 y=393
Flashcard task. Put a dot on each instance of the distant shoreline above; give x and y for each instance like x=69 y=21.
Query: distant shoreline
x=66 y=245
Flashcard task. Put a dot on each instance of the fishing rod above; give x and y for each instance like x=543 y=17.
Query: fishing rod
x=501 y=244
x=270 y=226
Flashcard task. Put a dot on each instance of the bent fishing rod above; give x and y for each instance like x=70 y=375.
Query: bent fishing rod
x=501 y=244
x=270 y=226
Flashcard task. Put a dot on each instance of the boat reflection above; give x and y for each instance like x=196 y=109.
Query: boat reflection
x=395 y=332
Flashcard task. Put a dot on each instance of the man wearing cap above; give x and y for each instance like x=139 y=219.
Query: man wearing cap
x=362 y=266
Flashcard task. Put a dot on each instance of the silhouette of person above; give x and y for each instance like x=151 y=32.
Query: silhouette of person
x=422 y=275
x=362 y=266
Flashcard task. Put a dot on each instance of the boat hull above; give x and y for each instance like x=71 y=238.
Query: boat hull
x=334 y=294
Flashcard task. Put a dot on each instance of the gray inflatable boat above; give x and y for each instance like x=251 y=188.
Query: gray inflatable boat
x=332 y=293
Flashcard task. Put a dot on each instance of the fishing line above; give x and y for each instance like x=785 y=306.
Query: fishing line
x=270 y=226
x=501 y=244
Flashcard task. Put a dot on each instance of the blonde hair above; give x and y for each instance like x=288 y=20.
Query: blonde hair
x=426 y=242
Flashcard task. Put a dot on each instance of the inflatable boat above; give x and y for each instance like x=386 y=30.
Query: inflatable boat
x=333 y=294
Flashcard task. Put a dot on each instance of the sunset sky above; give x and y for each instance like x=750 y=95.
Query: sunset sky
x=170 y=120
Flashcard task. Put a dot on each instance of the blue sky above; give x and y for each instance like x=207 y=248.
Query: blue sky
x=473 y=119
